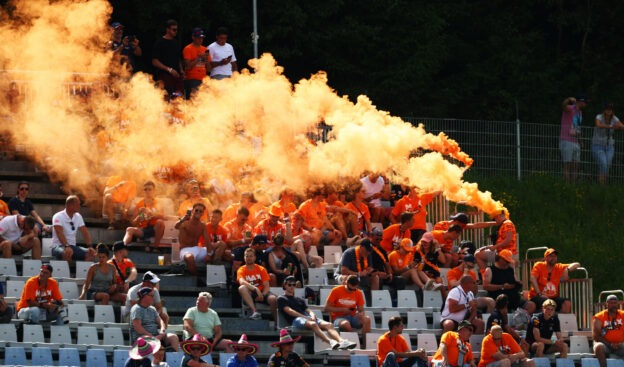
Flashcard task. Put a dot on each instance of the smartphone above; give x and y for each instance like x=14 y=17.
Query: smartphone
x=188 y=213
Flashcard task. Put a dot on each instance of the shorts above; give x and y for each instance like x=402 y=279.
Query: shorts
x=199 y=253
x=538 y=300
x=79 y=252
x=353 y=320
x=619 y=352
x=148 y=232
x=299 y=323
x=570 y=152
x=91 y=293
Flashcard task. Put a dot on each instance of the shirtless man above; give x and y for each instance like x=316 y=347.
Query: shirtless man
x=191 y=229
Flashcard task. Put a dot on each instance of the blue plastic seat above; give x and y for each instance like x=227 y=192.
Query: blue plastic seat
x=15 y=356
x=119 y=357
x=564 y=362
x=359 y=360
x=41 y=356
x=96 y=358
x=541 y=362
x=174 y=358
x=590 y=362
x=69 y=357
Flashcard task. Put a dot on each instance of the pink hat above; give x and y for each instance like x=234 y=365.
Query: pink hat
x=196 y=341
x=243 y=343
x=143 y=347
x=285 y=338
x=427 y=237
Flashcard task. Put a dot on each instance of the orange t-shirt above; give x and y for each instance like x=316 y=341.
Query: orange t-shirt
x=188 y=205
x=446 y=245
x=230 y=212
x=363 y=213
x=283 y=209
x=548 y=283
x=454 y=274
x=339 y=296
x=154 y=210
x=417 y=206
x=265 y=228
x=125 y=192
x=190 y=53
x=451 y=339
x=392 y=236
x=614 y=332
x=442 y=226
x=386 y=344
x=395 y=259
x=313 y=216
x=33 y=292
x=255 y=276
x=218 y=234
x=236 y=232
x=488 y=348
x=4 y=209
x=337 y=203
x=507 y=227
x=125 y=266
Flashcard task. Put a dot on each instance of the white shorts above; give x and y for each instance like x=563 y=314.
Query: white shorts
x=199 y=253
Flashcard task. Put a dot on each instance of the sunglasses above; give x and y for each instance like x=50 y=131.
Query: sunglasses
x=24 y=189
x=199 y=211
x=72 y=225
x=197 y=348
x=291 y=284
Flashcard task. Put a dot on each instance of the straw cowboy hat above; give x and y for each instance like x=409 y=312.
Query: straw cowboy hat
x=243 y=343
x=285 y=338
x=143 y=347
x=196 y=341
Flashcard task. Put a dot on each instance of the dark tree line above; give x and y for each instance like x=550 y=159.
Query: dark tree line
x=453 y=58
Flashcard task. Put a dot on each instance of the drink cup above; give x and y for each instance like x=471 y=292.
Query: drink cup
x=161 y=260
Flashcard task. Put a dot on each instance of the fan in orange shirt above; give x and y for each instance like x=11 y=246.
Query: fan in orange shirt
x=446 y=240
x=194 y=199
x=500 y=349
x=545 y=279
x=452 y=343
x=394 y=233
x=218 y=235
x=247 y=200
x=416 y=203
x=118 y=194
x=363 y=223
x=608 y=331
x=314 y=213
x=506 y=240
x=402 y=263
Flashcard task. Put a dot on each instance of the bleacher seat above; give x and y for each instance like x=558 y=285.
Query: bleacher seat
x=568 y=322
x=416 y=320
x=15 y=356
x=324 y=293
x=590 y=362
x=170 y=232
x=77 y=312
x=541 y=361
x=332 y=255
x=579 y=347
x=317 y=277
x=385 y=317
x=216 y=276
x=351 y=336
x=69 y=290
x=359 y=360
x=475 y=342
x=223 y=358
x=432 y=299
x=613 y=362
x=30 y=267
x=119 y=357
x=60 y=334
x=8 y=267
x=82 y=268
x=96 y=357
x=371 y=315
x=8 y=333
x=69 y=357
x=113 y=335
x=103 y=313
x=33 y=333
x=564 y=362
x=313 y=251
x=87 y=335
x=407 y=298
x=61 y=268
x=371 y=340
x=14 y=288
x=428 y=341
x=436 y=320
x=46 y=246
x=381 y=298
x=41 y=356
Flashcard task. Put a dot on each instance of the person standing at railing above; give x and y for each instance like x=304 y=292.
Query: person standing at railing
x=569 y=145
x=196 y=62
x=125 y=47
x=603 y=144
x=167 y=61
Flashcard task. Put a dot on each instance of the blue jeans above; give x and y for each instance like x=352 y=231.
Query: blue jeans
x=603 y=155
x=36 y=315
x=391 y=361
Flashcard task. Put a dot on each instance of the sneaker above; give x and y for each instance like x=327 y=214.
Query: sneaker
x=256 y=316
x=333 y=344
x=429 y=285
x=437 y=286
x=347 y=344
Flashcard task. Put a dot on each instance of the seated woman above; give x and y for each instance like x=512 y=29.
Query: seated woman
x=282 y=262
x=101 y=283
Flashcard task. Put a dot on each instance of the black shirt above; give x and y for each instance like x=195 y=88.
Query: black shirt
x=496 y=318
x=293 y=360
x=24 y=208
x=167 y=52
x=546 y=327
x=293 y=302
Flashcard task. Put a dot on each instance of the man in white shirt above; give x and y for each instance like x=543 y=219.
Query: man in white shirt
x=66 y=223
x=375 y=189
x=461 y=305
x=222 y=55
x=17 y=236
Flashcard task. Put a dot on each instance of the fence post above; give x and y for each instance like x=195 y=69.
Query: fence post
x=518 y=159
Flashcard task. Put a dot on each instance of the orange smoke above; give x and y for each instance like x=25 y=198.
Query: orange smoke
x=250 y=130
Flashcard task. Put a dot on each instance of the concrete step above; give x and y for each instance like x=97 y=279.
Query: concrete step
x=36 y=188
x=13 y=165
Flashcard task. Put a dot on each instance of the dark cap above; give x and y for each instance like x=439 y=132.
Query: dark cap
x=469 y=259
x=460 y=217
x=144 y=291
x=47 y=267
x=260 y=239
x=116 y=25
x=464 y=324
x=198 y=32
x=607 y=105
x=119 y=245
x=377 y=231
x=582 y=97
x=290 y=278
x=367 y=244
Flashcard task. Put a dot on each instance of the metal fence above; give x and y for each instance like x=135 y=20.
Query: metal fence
x=495 y=149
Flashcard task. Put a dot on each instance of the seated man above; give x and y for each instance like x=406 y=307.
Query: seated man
x=66 y=223
x=147 y=218
x=381 y=263
x=403 y=264
x=500 y=278
x=499 y=317
x=455 y=349
x=191 y=229
x=540 y=332
x=254 y=285
x=461 y=305
x=150 y=280
x=394 y=233
x=218 y=235
x=393 y=350
x=506 y=239
x=41 y=299
x=297 y=313
x=314 y=213
x=195 y=198
x=466 y=267
x=145 y=321
x=17 y=236
x=203 y=320
x=499 y=349
x=345 y=305
x=446 y=239
x=546 y=276
x=357 y=261
x=239 y=231
x=608 y=332
x=118 y=194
